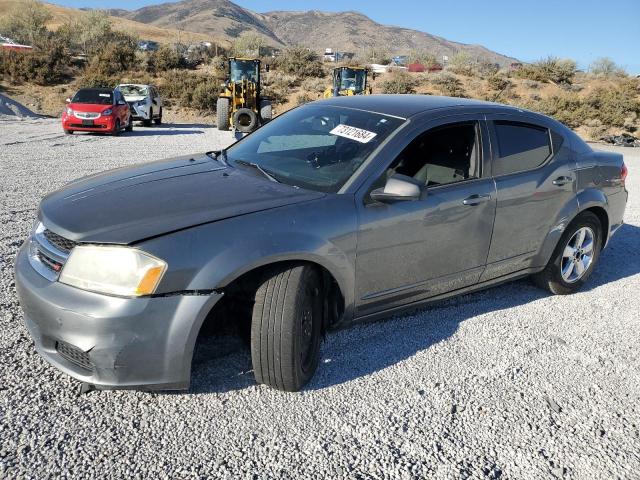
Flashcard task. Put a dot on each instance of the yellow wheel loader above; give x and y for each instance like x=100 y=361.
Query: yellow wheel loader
x=241 y=105
x=349 y=81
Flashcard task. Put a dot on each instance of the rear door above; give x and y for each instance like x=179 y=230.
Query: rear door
x=411 y=250
x=535 y=181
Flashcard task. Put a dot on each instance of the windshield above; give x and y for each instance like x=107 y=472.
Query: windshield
x=243 y=69
x=314 y=147
x=97 y=97
x=350 y=79
x=134 y=90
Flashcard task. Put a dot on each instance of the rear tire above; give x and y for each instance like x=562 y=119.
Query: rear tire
x=245 y=120
x=574 y=258
x=286 y=328
x=158 y=121
x=222 y=113
x=129 y=127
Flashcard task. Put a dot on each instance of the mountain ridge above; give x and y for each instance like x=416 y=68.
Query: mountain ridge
x=350 y=30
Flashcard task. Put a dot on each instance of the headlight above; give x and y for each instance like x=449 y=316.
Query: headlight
x=122 y=271
x=69 y=111
x=108 y=111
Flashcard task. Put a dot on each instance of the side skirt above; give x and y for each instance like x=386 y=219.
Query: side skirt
x=410 y=307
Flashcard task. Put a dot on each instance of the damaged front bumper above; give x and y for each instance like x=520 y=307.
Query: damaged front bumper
x=112 y=342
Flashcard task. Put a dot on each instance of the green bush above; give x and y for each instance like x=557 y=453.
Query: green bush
x=550 y=69
x=48 y=65
x=448 y=85
x=301 y=62
x=399 y=81
x=498 y=83
x=114 y=59
x=205 y=96
x=303 y=98
x=613 y=106
x=163 y=59
x=568 y=109
x=187 y=89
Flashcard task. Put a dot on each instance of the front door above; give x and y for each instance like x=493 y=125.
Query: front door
x=412 y=250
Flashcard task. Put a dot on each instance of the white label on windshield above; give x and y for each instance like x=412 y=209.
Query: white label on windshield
x=357 y=134
x=104 y=95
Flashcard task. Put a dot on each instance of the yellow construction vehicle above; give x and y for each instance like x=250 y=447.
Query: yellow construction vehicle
x=349 y=81
x=240 y=103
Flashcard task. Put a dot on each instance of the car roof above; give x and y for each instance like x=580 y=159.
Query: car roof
x=405 y=106
x=101 y=90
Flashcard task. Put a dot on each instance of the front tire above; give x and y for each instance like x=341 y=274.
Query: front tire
x=574 y=258
x=116 y=128
x=68 y=132
x=147 y=121
x=286 y=328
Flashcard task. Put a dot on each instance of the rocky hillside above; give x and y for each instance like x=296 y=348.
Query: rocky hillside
x=353 y=31
x=347 y=31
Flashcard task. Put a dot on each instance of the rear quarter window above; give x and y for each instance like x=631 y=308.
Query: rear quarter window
x=521 y=147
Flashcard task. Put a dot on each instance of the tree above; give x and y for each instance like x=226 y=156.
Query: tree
x=26 y=22
x=606 y=67
x=249 y=43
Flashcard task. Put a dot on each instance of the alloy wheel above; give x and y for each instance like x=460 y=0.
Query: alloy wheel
x=577 y=255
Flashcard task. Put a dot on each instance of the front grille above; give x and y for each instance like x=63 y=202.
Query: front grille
x=63 y=244
x=74 y=355
x=87 y=115
x=79 y=125
x=49 y=262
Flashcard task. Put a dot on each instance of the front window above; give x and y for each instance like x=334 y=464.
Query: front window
x=243 y=70
x=315 y=147
x=351 y=79
x=134 y=90
x=92 y=96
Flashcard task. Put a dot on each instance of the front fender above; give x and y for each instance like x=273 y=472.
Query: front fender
x=211 y=256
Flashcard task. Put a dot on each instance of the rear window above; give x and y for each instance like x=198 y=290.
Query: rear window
x=521 y=147
x=97 y=97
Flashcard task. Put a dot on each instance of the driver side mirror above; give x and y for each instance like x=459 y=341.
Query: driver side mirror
x=398 y=188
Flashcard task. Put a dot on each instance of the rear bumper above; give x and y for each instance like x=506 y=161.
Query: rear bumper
x=111 y=342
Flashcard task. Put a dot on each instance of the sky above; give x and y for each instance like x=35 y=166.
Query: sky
x=579 y=29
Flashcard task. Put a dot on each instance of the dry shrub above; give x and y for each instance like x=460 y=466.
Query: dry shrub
x=448 y=85
x=301 y=62
x=399 y=81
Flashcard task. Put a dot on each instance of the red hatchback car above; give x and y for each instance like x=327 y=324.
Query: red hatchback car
x=97 y=110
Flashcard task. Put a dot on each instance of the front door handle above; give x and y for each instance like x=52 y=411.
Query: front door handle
x=560 y=181
x=476 y=199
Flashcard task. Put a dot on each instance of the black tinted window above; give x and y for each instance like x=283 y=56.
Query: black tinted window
x=520 y=147
x=88 y=95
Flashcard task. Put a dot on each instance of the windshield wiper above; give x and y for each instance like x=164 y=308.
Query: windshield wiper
x=220 y=156
x=259 y=168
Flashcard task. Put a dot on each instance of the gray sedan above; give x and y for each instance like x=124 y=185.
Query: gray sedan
x=341 y=210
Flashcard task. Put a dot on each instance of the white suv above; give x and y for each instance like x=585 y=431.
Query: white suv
x=145 y=102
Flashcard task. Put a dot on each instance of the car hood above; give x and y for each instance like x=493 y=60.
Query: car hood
x=130 y=204
x=135 y=98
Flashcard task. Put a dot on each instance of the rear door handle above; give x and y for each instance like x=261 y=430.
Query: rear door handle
x=560 y=181
x=476 y=199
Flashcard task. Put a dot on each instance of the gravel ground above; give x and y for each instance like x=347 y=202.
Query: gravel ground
x=507 y=383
